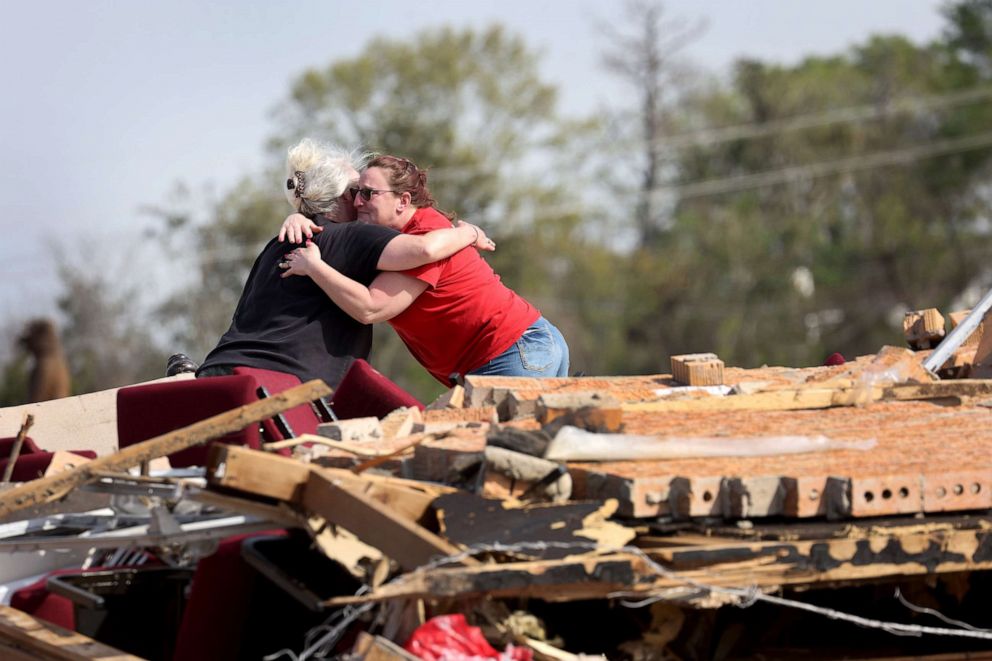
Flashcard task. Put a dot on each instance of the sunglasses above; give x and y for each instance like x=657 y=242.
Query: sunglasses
x=366 y=193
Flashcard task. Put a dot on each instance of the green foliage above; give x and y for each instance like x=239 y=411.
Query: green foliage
x=876 y=237
x=105 y=343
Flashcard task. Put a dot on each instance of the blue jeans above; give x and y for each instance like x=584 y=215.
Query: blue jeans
x=540 y=351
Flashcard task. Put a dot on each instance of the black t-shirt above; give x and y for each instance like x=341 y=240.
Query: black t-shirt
x=289 y=324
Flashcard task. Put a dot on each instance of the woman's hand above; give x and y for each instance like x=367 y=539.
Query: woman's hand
x=302 y=261
x=298 y=228
x=482 y=242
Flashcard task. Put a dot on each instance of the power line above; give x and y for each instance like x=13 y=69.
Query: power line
x=814 y=170
x=713 y=136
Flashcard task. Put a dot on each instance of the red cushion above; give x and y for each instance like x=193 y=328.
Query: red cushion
x=301 y=419
x=149 y=410
x=36 y=600
x=32 y=466
x=217 y=608
x=364 y=392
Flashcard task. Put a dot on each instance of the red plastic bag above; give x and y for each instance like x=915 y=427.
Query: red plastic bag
x=450 y=638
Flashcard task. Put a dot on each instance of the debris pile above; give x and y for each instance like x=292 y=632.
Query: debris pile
x=716 y=512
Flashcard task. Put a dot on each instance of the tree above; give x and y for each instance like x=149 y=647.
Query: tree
x=647 y=59
x=105 y=340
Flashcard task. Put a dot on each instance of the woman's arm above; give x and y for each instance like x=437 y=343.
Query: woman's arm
x=387 y=296
x=406 y=251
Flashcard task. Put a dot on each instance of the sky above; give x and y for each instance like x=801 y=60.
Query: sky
x=106 y=104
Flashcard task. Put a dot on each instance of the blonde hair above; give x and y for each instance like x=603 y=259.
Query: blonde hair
x=317 y=175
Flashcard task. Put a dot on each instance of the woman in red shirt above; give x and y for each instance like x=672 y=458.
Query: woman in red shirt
x=454 y=315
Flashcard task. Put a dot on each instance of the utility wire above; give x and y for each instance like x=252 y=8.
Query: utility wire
x=824 y=168
x=713 y=136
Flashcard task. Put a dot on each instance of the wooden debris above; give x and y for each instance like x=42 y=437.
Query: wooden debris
x=471 y=520
x=52 y=488
x=15 y=450
x=388 y=456
x=569 y=579
x=519 y=405
x=400 y=422
x=282 y=478
x=462 y=416
x=856 y=554
x=376 y=524
x=377 y=648
x=453 y=398
x=521 y=472
x=923 y=329
x=698 y=369
x=352 y=430
x=597 y=412
x=27 y=638
x=63 y=461
x=363 y=561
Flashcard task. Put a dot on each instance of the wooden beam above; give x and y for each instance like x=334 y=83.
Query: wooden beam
x=283 y=478
x=25 y=637
x=47 y=489
x=406 y=542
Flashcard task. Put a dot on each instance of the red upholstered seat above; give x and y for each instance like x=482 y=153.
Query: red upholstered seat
x=36 y=600
x=152 y=409
x=301 y=419
x=364 y=392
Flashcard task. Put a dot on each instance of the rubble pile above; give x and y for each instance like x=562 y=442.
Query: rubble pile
x=759 y=513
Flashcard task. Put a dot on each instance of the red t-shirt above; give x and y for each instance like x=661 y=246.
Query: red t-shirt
x=466 y=316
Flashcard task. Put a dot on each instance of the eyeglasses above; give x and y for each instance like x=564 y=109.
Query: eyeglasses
x=366 y=193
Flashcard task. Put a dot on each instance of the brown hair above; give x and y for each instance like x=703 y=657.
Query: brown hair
x=405 y=177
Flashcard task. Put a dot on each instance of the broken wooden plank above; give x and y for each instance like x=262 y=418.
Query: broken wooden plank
x=23 y=637
x=52 y=488
x=470 y=520
x=698 y=369
x=283 y=478
x=15 y=450
x=408 y=543
x=579 y=577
